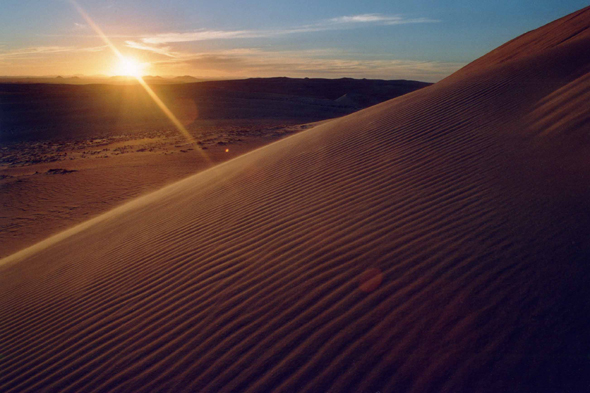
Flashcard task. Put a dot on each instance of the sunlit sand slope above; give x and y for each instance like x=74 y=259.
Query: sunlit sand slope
x=436 y=242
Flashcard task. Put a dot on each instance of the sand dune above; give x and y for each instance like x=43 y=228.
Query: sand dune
x=435 y=242
x=47 y=187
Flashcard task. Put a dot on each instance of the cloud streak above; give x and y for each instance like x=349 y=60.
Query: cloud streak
x=45 y=50
x=256 y=62
x=342 y=22
x=203 y=35
x=319 y=63
x=388 y=20
x=161 y=50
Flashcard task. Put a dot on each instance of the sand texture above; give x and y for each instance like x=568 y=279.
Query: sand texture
x=437 y=242
x=47 y=187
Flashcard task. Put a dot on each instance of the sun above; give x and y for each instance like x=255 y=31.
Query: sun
x=128 y=66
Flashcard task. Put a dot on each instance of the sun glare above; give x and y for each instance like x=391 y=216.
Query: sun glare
x=130 y=67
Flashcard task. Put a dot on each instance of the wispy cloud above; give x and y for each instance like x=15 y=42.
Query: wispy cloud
x=161 y=50
x=379 y=19
x=203 y=34
x=341 y=22
x=363 y=18
x=257 y=62
x=327 y=63
x=45 y=50
x=80 y=26
x=91 y=49
x=39 y=50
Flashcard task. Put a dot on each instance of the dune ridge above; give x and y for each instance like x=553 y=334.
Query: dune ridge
x=247 y=277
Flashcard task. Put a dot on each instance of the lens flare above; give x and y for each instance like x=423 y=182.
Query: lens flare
x=370 y=279
x=135 y=71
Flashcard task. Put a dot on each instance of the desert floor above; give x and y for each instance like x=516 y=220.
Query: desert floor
x=48 y=186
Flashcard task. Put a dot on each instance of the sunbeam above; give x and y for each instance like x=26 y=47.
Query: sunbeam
x=135 y=71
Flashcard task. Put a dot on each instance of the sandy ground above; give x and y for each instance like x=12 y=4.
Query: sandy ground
x=438 y=242
x=46 y=187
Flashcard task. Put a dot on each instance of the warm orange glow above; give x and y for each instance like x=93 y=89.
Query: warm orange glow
x=133 y=68
x=128 y=66
x=171 y=116
x=227 y=150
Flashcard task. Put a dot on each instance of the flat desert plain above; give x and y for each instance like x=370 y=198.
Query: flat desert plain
x=436 y=242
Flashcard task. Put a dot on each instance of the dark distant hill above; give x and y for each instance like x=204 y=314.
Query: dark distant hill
x=368 y=92
x=55 y=111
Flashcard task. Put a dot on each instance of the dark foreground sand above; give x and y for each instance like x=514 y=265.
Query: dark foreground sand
x=436 y=242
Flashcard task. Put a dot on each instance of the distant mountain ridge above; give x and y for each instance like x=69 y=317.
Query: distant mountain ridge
x=28 y=110
x=373 y=91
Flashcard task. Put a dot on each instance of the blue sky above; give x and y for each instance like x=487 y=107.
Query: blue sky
x=423 y=39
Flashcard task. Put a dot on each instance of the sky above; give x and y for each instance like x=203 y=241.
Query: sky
x=423 y=40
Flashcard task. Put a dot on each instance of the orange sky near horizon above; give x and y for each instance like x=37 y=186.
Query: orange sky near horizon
x=424 y=40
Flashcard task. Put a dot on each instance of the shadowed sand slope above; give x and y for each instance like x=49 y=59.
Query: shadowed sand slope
x=436 y=242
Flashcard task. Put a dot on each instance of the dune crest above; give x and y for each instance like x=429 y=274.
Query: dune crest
x=557 y=34
x=435 y=242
